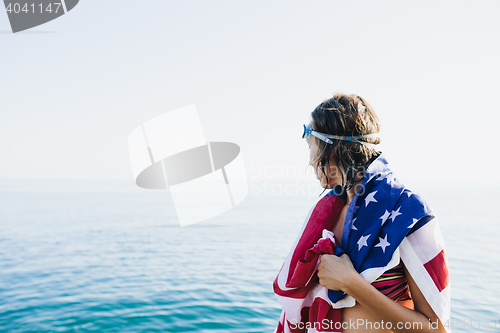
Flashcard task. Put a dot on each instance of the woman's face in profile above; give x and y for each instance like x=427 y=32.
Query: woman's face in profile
x=334 y=176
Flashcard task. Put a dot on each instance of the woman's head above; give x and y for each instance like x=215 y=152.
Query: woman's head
x=342 y=162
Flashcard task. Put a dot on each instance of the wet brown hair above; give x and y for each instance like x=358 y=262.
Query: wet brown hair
x=345 y=115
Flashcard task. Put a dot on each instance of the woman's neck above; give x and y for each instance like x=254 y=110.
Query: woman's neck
x=351 y=193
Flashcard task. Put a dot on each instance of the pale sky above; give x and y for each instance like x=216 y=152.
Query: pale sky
x=69 y=97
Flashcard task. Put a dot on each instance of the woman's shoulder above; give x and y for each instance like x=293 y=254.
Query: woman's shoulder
x=412 y=198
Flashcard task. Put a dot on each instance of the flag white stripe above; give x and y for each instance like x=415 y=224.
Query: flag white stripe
x=427 y=250
x=439 y=301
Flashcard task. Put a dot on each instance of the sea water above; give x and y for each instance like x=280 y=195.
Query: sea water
x=107 y=256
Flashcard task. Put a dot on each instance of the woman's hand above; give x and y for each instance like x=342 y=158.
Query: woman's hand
x=335 y=273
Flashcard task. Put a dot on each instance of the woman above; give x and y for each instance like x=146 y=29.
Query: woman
x=370 y=249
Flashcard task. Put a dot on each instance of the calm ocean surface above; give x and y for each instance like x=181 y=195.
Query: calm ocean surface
x=106 y=256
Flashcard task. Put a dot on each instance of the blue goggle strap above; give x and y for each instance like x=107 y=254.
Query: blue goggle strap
x=325 y=137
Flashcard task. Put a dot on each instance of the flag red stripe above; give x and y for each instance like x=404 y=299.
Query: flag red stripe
x=324 y=216
x=438 y=270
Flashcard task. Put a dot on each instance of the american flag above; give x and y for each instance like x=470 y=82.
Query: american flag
x=385 y=222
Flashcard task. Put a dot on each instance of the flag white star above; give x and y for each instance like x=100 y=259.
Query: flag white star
x=362 y=242
x=383 y=243
x=370 y=198
x=395 y=213
x=413 y=224
x=385 y=216
x=353 y=227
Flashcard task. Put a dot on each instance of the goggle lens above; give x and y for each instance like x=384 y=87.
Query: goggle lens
x=306 y=133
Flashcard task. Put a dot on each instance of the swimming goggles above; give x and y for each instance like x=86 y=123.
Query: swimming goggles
x=325 y=137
